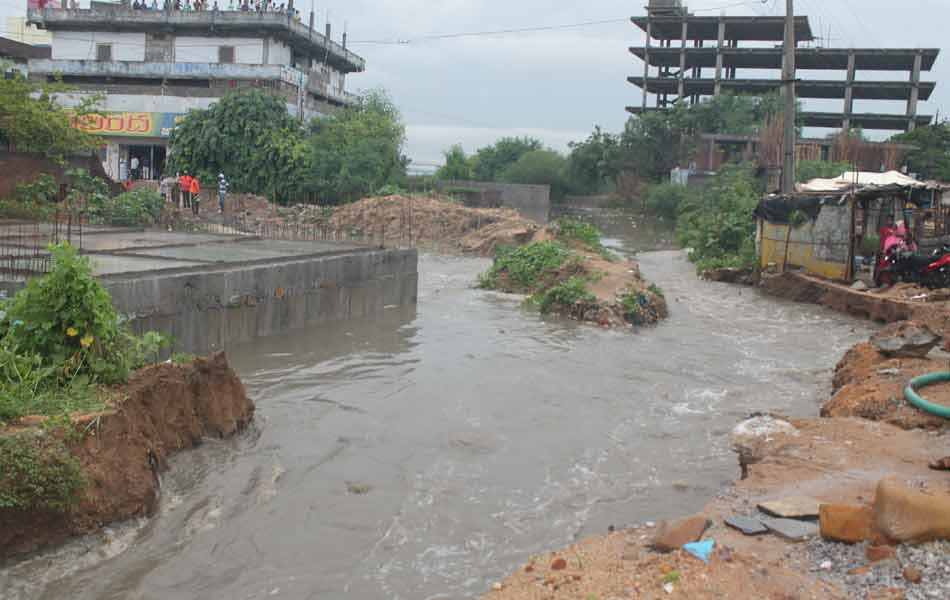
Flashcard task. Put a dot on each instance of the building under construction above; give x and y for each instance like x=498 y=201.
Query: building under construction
x=687 y=57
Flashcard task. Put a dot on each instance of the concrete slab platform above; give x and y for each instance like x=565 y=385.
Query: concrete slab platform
x=107 y=241
x=108 y=264
x=240 y=251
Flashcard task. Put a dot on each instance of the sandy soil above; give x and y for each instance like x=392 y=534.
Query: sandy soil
x=828 y=459
x=165 y=408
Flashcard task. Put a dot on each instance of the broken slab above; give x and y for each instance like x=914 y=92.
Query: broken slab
x=747 y=525
x=847 y=523
x=906 y=514
x=905 y=339
x=793 y=507
x=793 y=529
x=941 y=464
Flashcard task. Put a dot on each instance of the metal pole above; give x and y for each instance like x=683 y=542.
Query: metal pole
x=788 y=76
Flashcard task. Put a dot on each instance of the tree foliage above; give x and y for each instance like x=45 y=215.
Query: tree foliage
x=250 y=137
x=357 y=150
x=806 y=170
x=457 y=165
x=717 y=224
x=931 y=158
x=32 y=121
x=539 y=167
x=491 y=161
x=594 y=163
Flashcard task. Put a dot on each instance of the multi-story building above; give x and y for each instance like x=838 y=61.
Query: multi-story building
x=681 y=46
x=153 y=66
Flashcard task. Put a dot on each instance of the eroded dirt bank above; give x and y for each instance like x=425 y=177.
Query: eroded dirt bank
x=869 y=435
x=165 y=408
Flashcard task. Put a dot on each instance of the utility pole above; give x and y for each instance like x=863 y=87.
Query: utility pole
x=788 y=77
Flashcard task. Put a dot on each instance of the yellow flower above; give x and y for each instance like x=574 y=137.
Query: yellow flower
x=71 y=332
x=87 y=340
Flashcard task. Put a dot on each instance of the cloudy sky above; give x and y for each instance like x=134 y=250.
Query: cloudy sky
x=558 y=84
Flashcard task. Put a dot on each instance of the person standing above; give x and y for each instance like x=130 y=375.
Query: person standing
x=134 y=164
x=195 y=195
x=222 y=191
x=184 y=186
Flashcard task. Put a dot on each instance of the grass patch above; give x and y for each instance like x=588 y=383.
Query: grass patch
x=522 y=268
x=566 y=293
x=37 y=472
x=585 y=234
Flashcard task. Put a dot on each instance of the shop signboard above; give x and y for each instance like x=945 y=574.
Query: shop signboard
x=128 y=124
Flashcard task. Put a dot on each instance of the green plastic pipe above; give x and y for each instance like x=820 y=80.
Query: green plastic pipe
x=910 y=392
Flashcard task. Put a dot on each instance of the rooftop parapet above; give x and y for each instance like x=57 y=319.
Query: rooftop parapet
x=255 y=24
x=748 y=29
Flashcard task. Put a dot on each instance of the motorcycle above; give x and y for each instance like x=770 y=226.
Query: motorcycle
x=901 y=264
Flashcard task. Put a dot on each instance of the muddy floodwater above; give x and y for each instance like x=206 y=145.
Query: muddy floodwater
x=424 y=455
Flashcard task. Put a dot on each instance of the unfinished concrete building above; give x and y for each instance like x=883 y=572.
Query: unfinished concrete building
x=700 y=56
x=153 y=66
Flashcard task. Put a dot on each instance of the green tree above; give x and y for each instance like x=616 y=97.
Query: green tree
x=539 y=167
x=357 y=150
x=457 y=165
x=594 y=163
x=931 y=157
x=491 y=161
x=251 y=138
x=717 y=224
x=664 y=199
x=32 y=121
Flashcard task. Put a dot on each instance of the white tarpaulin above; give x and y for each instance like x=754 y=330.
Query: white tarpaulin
x=859 y=179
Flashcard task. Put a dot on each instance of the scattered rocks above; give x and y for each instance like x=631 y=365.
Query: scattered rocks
x=905 y=514
x=912 y=574
x=746 y=525
x=859 y=286
x=905 y=339
x=793 y=507
x=888 y=594
x=793 y=529
x=742 y=276
x=671 y=535
x=879 y=553
x=942 y=464
x=846 y=523
x=558 y=564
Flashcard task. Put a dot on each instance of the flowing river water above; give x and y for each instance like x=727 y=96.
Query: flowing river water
x=427 y=453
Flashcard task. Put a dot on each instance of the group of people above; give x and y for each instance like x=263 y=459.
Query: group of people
x=201 y=5
x=185 y=191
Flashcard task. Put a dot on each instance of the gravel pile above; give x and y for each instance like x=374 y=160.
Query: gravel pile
x=845 y=564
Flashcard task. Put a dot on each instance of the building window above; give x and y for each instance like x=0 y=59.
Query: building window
x=225 y=54
x=104 y=52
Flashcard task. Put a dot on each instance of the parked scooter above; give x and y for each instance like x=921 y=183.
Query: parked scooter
x=900 y=263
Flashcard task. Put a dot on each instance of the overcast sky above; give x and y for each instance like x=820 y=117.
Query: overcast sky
x=556 y=85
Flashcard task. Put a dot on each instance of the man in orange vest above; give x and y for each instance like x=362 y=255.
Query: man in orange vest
x=184 y=186
x=195 y=198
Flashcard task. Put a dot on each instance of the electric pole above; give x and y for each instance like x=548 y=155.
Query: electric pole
x=788 y=77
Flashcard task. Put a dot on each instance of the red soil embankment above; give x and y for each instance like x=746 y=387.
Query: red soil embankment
x=167 y=408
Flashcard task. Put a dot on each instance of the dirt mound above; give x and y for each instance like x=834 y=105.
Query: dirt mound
x=871 y=386
x=435 y=220
x=166 y=408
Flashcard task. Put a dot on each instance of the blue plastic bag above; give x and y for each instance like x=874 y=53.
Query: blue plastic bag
x=700 y=550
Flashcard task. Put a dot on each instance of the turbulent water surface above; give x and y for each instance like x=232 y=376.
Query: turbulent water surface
x=425 y=454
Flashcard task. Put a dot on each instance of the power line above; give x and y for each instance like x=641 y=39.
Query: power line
x=448 y=36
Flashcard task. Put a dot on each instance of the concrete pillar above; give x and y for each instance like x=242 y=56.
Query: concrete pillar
x=682 y=82
x=849 y=93
x=721 y=43
x=646 y=61
x=914 y=93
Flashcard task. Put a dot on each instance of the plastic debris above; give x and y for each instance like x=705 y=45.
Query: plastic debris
x=700 y=550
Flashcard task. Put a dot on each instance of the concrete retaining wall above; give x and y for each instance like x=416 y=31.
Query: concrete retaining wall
x=208 y=309
x=532 y=201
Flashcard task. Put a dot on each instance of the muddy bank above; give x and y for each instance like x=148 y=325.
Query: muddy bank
x=431 y=221
x=164 y=408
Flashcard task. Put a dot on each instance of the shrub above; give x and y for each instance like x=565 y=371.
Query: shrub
x=566 y=293
x=524 y=266
x=585 y=233
x=664 y=199
x=66 y=318
x=37 y=472
x=130 y=209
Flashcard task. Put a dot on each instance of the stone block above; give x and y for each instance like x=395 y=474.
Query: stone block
x=672 y=535
x=846 y=523
x=906 y=514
